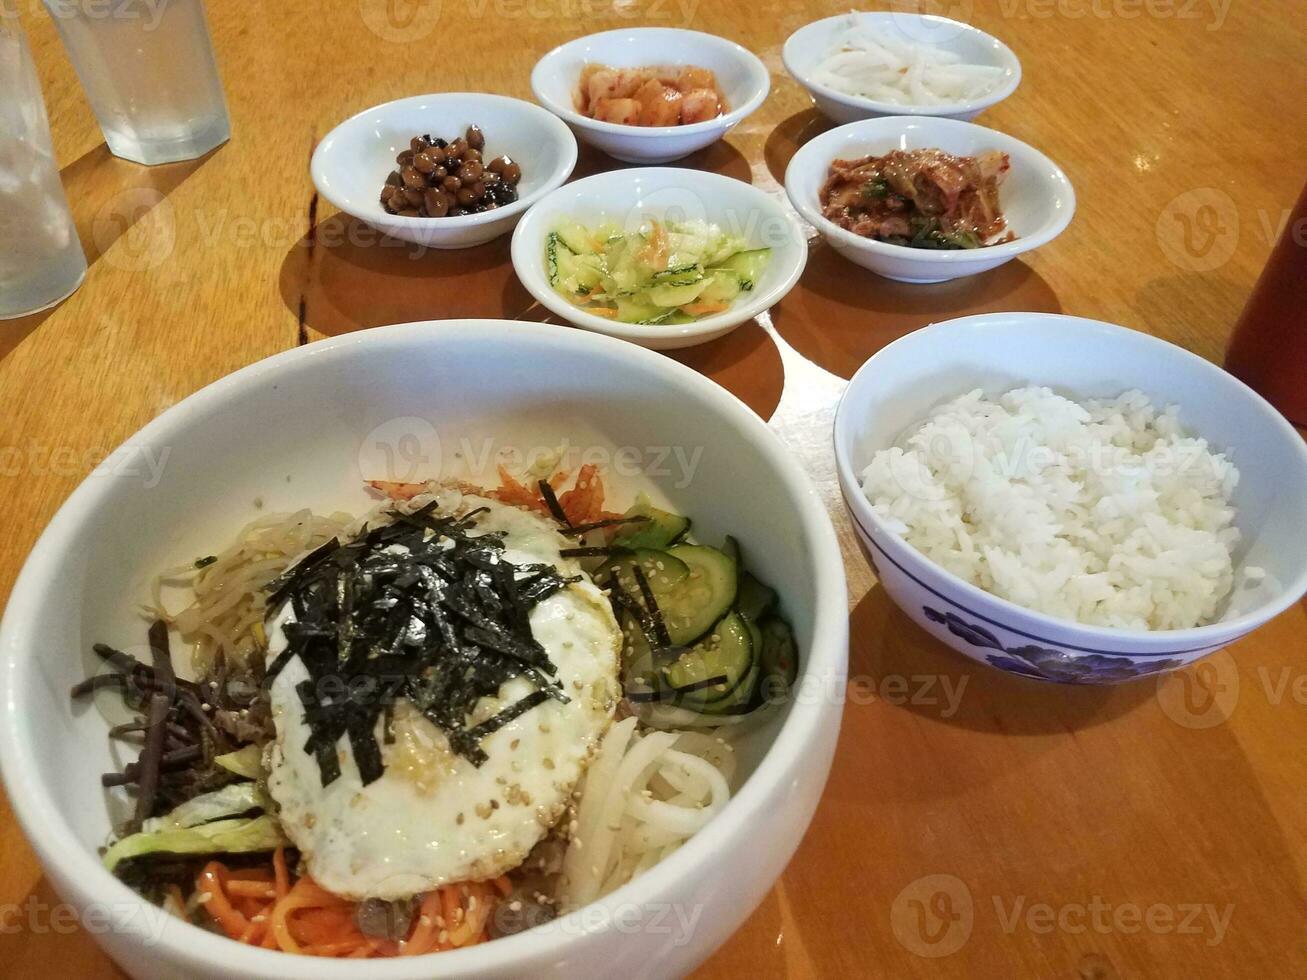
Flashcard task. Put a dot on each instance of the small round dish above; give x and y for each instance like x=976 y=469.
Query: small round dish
x=742 y=78
x=810 y=44
x=1079 y=359
x=350 y=165
x=1036 y=197
x=625 y=197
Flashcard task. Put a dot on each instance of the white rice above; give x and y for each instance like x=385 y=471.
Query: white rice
x=1104 y=512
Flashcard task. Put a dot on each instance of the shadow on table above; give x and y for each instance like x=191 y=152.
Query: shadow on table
x=790 y=134
x=840 y=314
x=107 y=197
x=885 y=643
x=745 y=362
x=343 y=275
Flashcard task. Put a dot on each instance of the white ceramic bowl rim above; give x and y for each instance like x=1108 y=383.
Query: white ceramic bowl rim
x=554 y=181
x=1053 y=226
x=1011 y=62
x=756 y=302
x=1090 y=639
x=57 y=845
x=724 y=121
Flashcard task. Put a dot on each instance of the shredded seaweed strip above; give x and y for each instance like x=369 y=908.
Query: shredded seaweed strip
x=551 y=501
x=181 y=725
x=651 y=607
x=593 y=552
x=419 y=609
x=575 y=530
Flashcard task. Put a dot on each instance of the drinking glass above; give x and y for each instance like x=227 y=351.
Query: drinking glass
x=149 y=73
x=41 y=259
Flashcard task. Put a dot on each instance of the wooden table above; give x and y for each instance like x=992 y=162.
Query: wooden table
x=1023 y=830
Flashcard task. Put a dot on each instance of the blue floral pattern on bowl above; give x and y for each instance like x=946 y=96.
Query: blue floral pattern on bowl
x=1050 y=665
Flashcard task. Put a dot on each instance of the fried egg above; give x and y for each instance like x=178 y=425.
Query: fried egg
x=433 y=818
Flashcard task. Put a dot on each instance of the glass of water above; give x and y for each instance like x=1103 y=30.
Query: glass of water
x=41 y=259
x=149 y=73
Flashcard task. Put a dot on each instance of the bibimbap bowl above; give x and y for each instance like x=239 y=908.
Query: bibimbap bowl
x=303 y=429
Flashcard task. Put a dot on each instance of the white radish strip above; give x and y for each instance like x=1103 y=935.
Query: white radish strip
x=580 y=883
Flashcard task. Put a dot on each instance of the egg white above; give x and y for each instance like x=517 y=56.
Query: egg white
x=433 y=818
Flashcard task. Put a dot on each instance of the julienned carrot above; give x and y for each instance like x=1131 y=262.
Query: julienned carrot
x=264 y=907
x=250 y=889
x=280 y=873
x=604 y=311
x=213 y=895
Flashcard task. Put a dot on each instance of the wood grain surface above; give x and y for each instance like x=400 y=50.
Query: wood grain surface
x=975 y=824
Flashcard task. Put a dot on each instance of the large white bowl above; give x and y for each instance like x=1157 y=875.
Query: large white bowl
x=626 y=197
x=1078 y=358
x=807 y=47
x=1036 y=196
x=742 y=78
x=303 y=428
x=352 y=162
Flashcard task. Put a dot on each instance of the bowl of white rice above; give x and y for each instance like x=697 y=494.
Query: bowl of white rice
x=864 y=65
x=1070 y=500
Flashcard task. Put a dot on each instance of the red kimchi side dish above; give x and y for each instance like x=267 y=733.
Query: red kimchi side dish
x=919 y=198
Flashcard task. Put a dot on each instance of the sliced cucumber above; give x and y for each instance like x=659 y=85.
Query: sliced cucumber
x=702 y=597
x=675 y=318
x=780 y=654
x=724 y=287
x=685 y=275
x=748 y=265
x=575 y=237
x=576 y=273
x=731 y=548
x=741 y=697
x=553 y=248
x=754 y=600
x=727 y=651
x=638 y=309
x=664 y=573
x=670 y=296
x=662 y=529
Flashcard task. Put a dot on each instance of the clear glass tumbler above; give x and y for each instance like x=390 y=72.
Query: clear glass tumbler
x=41 y=259
x=149 y=72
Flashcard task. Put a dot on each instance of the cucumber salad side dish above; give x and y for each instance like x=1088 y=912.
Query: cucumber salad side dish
x=662 y=273
x=451 y=719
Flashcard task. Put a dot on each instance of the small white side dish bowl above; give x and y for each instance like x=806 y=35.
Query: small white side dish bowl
x=625 y=197
x=741 y=77
x=811 y=44
x=1036 y=196
x=352 y=162
x=303 y=429
x=1080 y=359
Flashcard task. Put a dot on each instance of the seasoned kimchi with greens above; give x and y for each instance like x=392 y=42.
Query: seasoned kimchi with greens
x=919 y=198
